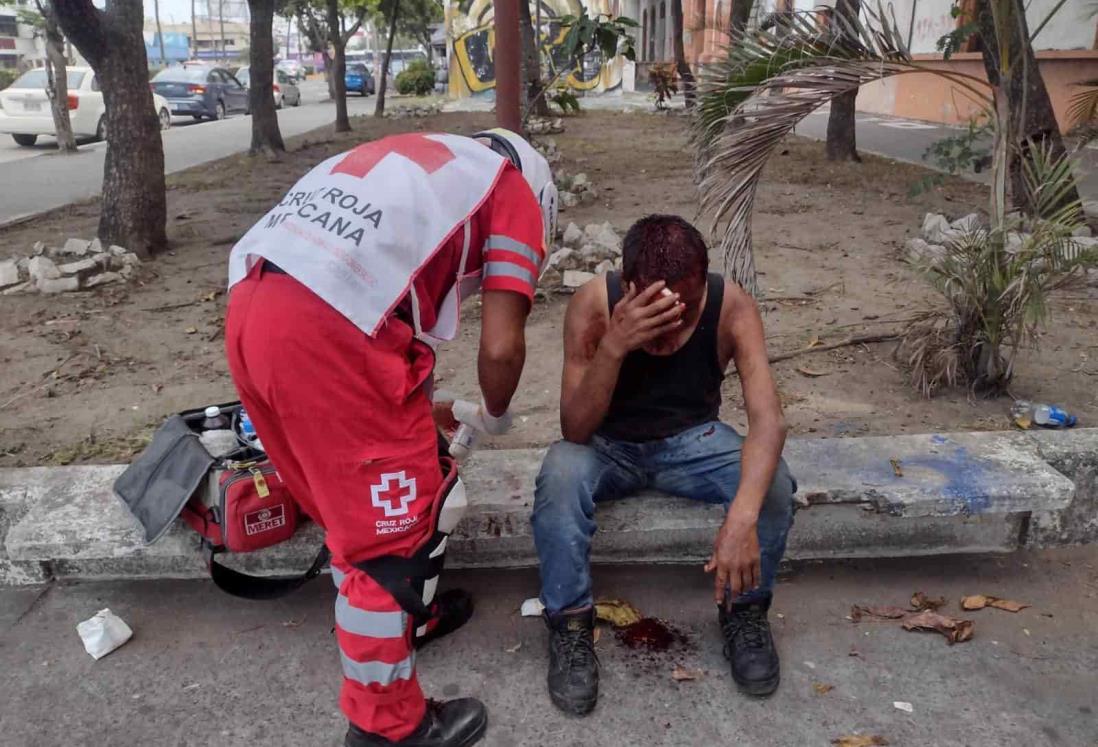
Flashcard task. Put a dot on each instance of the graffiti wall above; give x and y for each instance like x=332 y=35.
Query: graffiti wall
x=471 y=35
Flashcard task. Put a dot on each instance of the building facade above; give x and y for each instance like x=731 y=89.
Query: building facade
x=19 y=48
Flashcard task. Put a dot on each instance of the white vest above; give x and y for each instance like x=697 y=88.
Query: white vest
x=359 y=226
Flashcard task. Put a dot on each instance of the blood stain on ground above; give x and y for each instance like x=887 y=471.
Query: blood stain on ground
x=650 y=634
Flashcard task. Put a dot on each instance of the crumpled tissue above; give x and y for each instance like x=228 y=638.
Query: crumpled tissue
x=103 y=633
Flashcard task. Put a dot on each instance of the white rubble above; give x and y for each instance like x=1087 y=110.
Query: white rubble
x=9 y=273
x=77 y=264
x=576 y=278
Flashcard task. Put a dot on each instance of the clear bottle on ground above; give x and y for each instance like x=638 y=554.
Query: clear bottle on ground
x=1028 y=414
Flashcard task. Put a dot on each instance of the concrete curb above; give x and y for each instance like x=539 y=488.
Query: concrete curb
x=958 y=493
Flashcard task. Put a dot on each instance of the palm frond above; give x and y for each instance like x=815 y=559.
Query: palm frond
x=768 y=83
x=1050 y=181
x=1083 y=108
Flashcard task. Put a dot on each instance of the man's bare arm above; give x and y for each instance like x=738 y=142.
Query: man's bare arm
x=736 y=550
x=590 y=371
x=502 y=347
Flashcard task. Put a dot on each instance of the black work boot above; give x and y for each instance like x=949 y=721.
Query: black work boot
x=573 y=666
x=453 y=723
x=750 y=647
x=450 y=610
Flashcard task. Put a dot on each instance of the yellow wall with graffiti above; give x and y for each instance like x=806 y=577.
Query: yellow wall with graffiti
x=470 y=34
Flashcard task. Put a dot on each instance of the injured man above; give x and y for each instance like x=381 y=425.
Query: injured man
x=645 y=352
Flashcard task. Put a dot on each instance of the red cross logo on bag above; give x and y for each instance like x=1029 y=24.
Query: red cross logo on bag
x=430 y=155
x=393 y=499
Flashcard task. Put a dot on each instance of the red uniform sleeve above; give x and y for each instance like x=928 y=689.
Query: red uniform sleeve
x=513 y=250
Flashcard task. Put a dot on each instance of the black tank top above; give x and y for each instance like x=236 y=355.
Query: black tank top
x=658 y=396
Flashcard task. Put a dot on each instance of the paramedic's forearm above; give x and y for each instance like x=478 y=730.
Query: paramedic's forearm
x=499 y=367
x=585 y=407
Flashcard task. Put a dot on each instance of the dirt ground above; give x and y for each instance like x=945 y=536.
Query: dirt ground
x=86 y=377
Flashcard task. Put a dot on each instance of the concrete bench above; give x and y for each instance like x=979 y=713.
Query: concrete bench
x=958 y=493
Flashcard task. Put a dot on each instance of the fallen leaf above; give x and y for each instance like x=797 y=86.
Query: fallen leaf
x=1026 y=631
x=681 y=674
x=513 y=649
x=897 y=469
x=954 y=629
x=979 y=601
x=191 y=330
x=920 y=601
x=860 y=740
x=616 y=612
x=857 y=612
x=809 y=372
x=814 y=342
x=822 y=688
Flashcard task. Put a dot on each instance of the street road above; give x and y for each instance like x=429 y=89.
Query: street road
x=47 y=180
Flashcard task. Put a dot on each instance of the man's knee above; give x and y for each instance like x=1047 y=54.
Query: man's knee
x=565 y=481
x=778 y=504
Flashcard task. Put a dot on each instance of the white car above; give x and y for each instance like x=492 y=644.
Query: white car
x=25 y=108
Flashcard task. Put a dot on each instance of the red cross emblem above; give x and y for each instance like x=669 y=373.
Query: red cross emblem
x=430 y=155
x=393 y=494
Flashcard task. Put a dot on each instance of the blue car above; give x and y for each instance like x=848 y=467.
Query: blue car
x=203 y=92
x=357 y=78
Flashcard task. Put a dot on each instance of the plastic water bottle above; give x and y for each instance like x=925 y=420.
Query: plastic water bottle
x=214 y=421
x=248 y=434
x=1028 y=414
x=465 y=440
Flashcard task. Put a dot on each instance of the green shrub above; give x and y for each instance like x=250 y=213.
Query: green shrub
x=7 y=77
x=417 y=78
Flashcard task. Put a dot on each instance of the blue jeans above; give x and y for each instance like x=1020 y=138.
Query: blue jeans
x=702 y=463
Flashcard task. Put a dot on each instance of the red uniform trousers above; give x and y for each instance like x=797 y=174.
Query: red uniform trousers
x=345 y=419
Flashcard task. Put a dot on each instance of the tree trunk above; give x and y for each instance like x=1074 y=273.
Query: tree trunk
x=337 y=84
x=681 y=65
x=379 y=107
x=266 y=137
x=531 y=62
x=1032 y=118
x=221 y=19
x=841 y=128
x=194 y=31
x=134 y=209
x=159 y=33
x=739 y=14
x=329 y=63
x=57 y=81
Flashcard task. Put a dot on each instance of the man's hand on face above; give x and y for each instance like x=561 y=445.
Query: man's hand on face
x=639 y=318
x=735 y=557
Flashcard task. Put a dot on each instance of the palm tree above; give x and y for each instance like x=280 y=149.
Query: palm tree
x=994 y=287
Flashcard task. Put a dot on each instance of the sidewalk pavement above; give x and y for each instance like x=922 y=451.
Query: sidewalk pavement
x=205 y=669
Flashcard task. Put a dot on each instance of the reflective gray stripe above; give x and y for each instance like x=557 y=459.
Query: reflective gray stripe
x=508 y=269
x=337 y=577
x=507 y=244
x=365 y=622
x=378 y=672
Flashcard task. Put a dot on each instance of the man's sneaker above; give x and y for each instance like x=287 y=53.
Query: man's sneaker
x=573 y=666
x=750 y=647
x=450 y=609
x=453 y=723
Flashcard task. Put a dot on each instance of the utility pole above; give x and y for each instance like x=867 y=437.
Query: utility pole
x=159 y=33
x=221 y=18
x=508 y=65
x=194 y=30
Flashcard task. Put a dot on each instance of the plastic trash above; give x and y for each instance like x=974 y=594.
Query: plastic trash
x=219 y=442
x=533 y=607
x=1028 y=414
x=103 y=633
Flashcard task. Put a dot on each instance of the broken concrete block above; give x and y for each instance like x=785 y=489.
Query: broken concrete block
x=588 y=197
x=605 y=266
x=576 y=278
x=9 y=273
x=95 y=246
x=102 y=279
x=573 y=236
x=936 y=228
x=129 y=258
x=117 y=251
x=76 y=247
x=569 y=199
x=42 y=268
x=38 y=249
x=580 y=182
x=920 y=252
x=604 y=236
x=967 y=224
x=562 y=259
x=59 y=285
x=81 y=269
x=126 y=271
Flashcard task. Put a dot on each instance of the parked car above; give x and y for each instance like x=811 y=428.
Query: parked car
x=285 y=89
x=201 y=91
x=25 y=108
x=292 y=68
x=358 y=78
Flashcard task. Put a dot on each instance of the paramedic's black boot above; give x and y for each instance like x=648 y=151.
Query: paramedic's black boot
x=451 y=610
x=573 y=666
x=750 y=647
x=452 y=723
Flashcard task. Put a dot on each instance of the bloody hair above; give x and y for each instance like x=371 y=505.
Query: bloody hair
x=663 y=247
